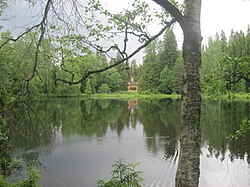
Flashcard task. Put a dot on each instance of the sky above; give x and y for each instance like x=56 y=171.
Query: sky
x=216 y=15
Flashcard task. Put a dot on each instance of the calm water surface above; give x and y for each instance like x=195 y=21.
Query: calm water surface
x=79 y=140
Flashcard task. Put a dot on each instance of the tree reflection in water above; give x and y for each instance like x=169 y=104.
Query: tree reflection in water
x=160 y=119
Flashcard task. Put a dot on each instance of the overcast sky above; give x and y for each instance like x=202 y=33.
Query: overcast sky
x=216 y=15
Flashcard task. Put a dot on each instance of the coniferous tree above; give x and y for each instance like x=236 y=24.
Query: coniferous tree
x=158 y=65
x=168 y=54
x=134 y=70
x=178 y=74
x=150 y=73
x=223 y=41
x=123 y=70
x=226 y=64
x=168 y=50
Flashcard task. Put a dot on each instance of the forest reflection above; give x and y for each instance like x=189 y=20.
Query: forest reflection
x=160 y=118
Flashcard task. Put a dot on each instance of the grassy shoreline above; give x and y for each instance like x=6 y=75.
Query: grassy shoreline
x=130 y=96
x=235 y=97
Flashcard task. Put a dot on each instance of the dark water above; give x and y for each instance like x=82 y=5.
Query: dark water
x=78 y=140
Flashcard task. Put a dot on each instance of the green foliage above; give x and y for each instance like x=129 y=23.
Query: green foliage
x=162 y=67
x=171 y=79
x=225 y=61
x=16 y=165
x=122 y=70
x=9 y=165
x=5 y=160
x=168 y=50
x=166 y=80
x=104 y=88
x=226 y=64
x=88 y=89
x=123 y=175
x=16 y=63
x=243 y=130
x=114 y=80
x=178 y=74
x=150 y=72
x=9 y=61
x=236 y=70
x=211 y=57
x=134 y=70
x=137 y=17
x=3 y=5
x=30 y=181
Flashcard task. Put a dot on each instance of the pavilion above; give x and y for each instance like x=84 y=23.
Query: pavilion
x=132 y=86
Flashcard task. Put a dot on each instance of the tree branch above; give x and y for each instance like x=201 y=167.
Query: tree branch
x=42 y=25
x=87 y=74
x=20 y=36
x=171 y=9
x=32 y=28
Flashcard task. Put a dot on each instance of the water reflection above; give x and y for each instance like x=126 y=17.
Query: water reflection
x=220 y=119
x=132 y=104
x=223 y=162
x=141 y=130
x=161 y=120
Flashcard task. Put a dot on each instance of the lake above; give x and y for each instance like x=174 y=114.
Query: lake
x=77 y=141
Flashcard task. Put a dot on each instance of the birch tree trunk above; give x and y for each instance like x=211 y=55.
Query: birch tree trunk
x=188 y=172
x=189 y=159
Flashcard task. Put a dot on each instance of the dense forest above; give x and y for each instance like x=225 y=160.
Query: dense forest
x=225 y=69
x=225 y=65
x=17 y=62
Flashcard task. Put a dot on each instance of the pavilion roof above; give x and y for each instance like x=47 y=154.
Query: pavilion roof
x=132 y=83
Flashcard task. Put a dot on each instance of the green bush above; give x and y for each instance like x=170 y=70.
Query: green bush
x=244 y=128
x=123 y=175
x=30 y=181
x=104 y=88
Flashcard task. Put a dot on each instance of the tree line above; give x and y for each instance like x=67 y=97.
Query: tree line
x=225 y=68
x=162 y=67
x=17 y=60
x=225 y=65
